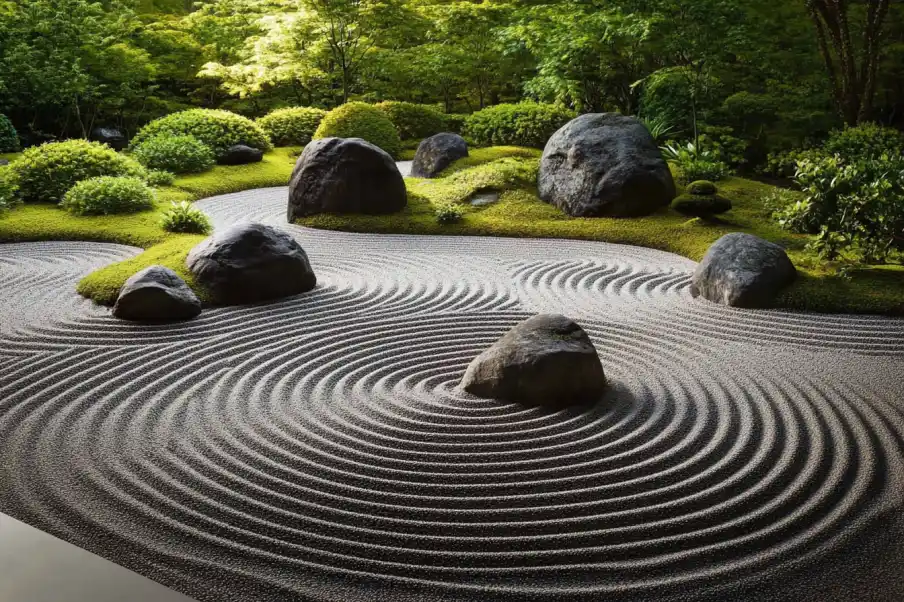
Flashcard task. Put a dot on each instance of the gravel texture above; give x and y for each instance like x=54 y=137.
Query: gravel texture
x=318 y=448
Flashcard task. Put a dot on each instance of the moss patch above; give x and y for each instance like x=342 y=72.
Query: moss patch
x=519 y=213
x=49 y=222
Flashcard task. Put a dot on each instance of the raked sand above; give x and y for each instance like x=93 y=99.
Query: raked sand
x=319 y=449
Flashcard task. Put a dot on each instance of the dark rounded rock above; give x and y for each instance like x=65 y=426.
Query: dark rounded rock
x=701 y=205
x=249 y=262
x=156 y=294
x=112 y=137
x=240 y=154
x=605 y=165
x=743 y=270
x=345 y=175
x=436 y=153
x=546 y=360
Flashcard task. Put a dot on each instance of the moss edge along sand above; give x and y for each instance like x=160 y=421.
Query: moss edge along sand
x=510 y=171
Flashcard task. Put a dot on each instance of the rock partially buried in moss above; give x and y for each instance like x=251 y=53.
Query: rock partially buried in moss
x=249 y=263
x=546 y=360
x=156 y=294
x=436 y=153
x=345 y=175
x=240 y=154
x=701 y=205
x=742 y=270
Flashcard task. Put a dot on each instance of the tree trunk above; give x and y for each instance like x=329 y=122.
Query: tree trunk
x=852 y=74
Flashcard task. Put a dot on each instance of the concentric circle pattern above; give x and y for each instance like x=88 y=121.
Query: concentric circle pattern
x=319 y=448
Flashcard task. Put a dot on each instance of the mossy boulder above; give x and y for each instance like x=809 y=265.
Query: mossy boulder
x=701 y=205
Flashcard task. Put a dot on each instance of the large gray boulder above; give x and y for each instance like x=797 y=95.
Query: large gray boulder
x=436 y=153
x=250 y=262
x=604 y=165
x=743 y=270
x=546 y=360
x=345 y=175
x=156 y=294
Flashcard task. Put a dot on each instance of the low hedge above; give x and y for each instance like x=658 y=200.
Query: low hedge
x=523 y=124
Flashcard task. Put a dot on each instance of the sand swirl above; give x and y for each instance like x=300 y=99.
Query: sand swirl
x=319 y=448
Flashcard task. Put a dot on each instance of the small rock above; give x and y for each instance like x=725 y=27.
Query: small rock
x=436 y=153
x=249 y=262
x=481 y=199
x=546 y=360
x=112 y=137
x=4 y=162
x=604 y=165
x=156 y=294
x=742 y=270
x=345 y=175
x=240 y=154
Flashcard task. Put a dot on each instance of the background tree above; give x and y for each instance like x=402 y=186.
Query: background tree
x=852 y=68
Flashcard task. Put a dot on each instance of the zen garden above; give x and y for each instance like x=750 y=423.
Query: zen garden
x=449 y=300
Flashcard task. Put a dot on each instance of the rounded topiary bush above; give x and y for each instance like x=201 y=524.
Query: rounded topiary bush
x=178 y=154
x=44 y=173
x=524 y=124
x=108 y=194
x=293 y=126
x=413 y=121
x=9 y=138
x=160 y=177
x=361 y=120
x=701 y=187
x=9 y=192
x=216 y=128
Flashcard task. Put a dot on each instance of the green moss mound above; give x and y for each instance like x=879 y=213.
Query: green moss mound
x=176 y=154
x=701 y=187
x=9 y=138
x=292 y=126
x=413 y=121
x=216 y=128
x=361 y=120
x=701 y=205
x=523 y=124
x=45 y=173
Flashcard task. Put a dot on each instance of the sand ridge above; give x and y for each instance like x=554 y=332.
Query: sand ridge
x=318 y=448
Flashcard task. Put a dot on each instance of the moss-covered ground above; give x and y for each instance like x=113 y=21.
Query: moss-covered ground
x=518 y=213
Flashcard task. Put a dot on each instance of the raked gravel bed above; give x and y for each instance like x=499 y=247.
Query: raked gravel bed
x=318 y=448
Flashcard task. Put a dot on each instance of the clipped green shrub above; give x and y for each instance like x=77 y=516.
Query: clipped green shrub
x=455 y=122
x=413 y=121
x=9 y=138
x=449 y=214
x=217 y=129
x=524 y=124
x=701 y=187
x=44 y=173
x=178 y=154
x=160 y=177
x=292 y=126
x=108 y=194
x=9 y=192
x=361 y=120
x=184 y=219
